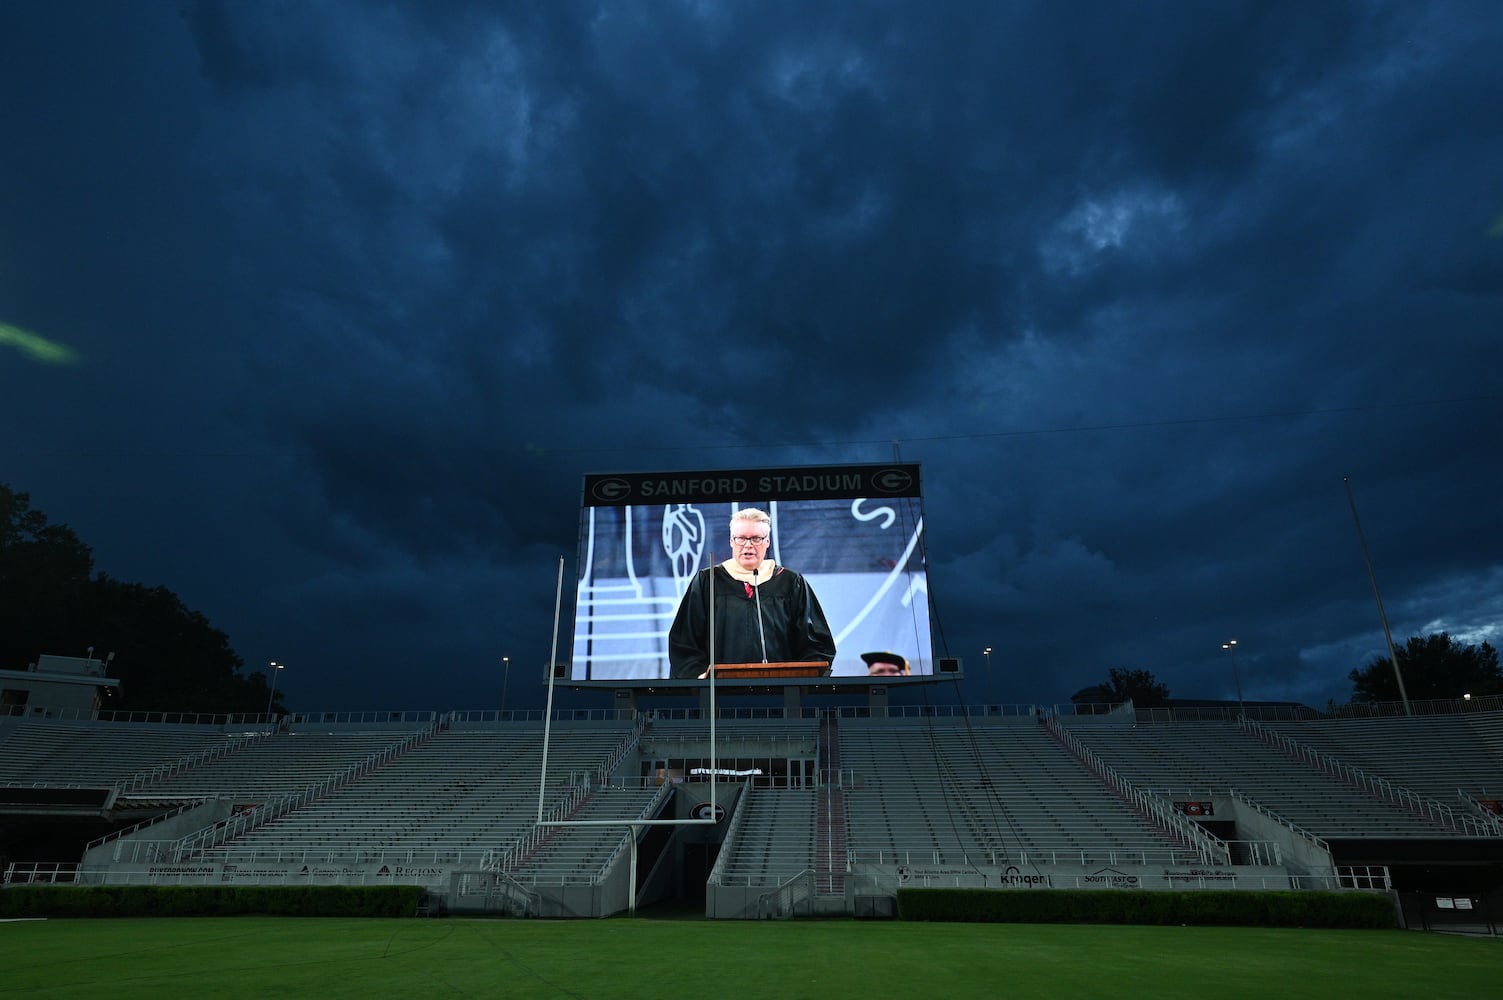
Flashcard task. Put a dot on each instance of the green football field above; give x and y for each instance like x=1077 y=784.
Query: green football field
x=636 y=958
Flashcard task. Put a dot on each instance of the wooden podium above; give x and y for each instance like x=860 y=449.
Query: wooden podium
x=770 y=671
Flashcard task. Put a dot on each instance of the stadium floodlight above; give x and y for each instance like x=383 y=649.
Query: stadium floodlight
x=276 y=668
x=1393 y=656
x=710 y=817
x=1231 y=647
x=991 y=691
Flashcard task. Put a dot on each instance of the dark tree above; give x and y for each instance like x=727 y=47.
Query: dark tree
x=45 y=578
x=167 y=656
x=1138 y=686
x=1434 y=667
x=1096 y=694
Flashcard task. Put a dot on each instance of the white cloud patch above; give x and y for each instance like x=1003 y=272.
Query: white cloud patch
x=1468 y=607
x=1133 y=221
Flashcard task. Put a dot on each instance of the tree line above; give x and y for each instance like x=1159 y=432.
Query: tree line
x=1435 y=667
x=168 y=657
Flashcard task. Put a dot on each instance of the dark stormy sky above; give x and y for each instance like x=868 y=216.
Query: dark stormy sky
x=318 y=312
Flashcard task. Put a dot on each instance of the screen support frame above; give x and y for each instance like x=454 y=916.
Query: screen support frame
x=711 y=815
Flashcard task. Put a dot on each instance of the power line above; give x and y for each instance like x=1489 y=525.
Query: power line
x=1034 y=431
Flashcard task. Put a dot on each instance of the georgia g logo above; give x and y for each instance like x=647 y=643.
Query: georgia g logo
x=610 y=489
x=708 y=810
x=892 y=480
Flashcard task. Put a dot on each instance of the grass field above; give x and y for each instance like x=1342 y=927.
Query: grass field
x=645 y=958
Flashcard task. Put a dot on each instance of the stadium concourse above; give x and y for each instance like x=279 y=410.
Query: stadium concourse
x=803 y=810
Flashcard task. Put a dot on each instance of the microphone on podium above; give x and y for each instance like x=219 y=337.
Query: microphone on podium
x=757 y=592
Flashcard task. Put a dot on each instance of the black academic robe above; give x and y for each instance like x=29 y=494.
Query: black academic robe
x=792 y=622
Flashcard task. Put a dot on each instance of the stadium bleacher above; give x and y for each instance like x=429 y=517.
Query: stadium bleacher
x=100 y=753
x=1185 y=759
x=1008 y=791
x=813 y=813
x=1437 y=755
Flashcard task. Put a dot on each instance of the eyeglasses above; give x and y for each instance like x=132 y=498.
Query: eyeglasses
x=741 y=541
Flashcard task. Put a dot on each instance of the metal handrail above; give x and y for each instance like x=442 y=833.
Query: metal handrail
x=1281 y=820
x=809 y=877
x=717 y=871
x=509 y=858
x=1212 y=849
x=1378 y=787
x=646 y=811
x=167 y=769
x=208 y=839
x=1475 y=805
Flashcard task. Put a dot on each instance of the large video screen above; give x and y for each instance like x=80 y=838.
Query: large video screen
x=838 y=571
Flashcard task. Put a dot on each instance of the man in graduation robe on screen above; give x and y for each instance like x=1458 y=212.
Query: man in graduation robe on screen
x=764 y=613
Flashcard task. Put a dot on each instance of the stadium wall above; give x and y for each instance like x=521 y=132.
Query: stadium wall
x=173 y=827
x=869 y=879
x=1299 y=850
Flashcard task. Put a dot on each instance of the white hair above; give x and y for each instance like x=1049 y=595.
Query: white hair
x=751 y=514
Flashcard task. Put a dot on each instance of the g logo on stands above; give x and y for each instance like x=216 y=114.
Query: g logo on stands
x=708 y=810
x=610 y=490
x=892 y=480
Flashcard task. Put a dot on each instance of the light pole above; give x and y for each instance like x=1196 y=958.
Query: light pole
x=1231 y=647
x=1393 y=657
x=273 y=692
x=990 y=690
x=505 y=679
